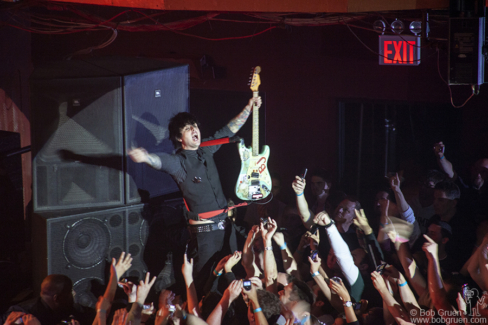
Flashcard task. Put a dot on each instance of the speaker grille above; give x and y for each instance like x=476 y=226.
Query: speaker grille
x=86 y=243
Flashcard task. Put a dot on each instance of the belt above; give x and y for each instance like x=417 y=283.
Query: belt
x=208 y=227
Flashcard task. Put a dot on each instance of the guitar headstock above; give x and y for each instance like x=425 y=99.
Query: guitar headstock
x=255 y=80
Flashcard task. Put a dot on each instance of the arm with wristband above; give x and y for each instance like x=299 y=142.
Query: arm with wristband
x=289 y=262
x=298 y=186
x=270 y=268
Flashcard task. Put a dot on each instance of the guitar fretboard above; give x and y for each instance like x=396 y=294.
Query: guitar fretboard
x=255 y=127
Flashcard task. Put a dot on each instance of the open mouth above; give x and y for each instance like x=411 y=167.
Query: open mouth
x=194 y=137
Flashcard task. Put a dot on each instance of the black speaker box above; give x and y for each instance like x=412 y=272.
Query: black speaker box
x=82 y=245
x=86 y=115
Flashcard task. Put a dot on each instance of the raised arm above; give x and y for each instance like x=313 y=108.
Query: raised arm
x=135 y=314
x=191 y=293
x=340 y=248
x=442 y=161
x=230 y=294
x=270 y=268
x=396 y=310
x=289 y=262
x=437 y=289
x=237 y=122
x=248 y=254
x=298 y=186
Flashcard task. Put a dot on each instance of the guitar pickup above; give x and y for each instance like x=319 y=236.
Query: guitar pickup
x=255 y=183
x=265 y=188
x=254 y=175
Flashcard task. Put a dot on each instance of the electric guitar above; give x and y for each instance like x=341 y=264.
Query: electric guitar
x=254 y=182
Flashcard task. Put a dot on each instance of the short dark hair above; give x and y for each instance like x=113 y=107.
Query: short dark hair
x=269 y=302
x=355 y=200
x=449 y=188
x=178 y=122
x=301 y=291
x=433 y=176
x=57 y=284
x=446 y=230
x=322 y=173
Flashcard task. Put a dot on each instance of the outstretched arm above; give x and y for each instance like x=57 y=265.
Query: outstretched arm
x=237 y=122
x=298 y=186
x=289 y=262
x=191 y=293
x=270 y=269
x=442 y=161
x=140 y=155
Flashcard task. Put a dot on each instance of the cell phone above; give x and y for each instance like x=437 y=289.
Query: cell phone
x=146 y=306
x=465 y=289
x=171 y=309
x=314 y=254
x=313 y=228
x=336 y=279
x=186 y=252
x=381 y=268
x=304 y=173
x=246 y=284
x=264 y=221
x=356 y=305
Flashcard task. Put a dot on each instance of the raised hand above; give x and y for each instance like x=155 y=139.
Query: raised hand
x=340 y=289
x=120 y=317
x=222 y=262
x=439 y=148
x=233 y=290
x=187 y=267
x=378 y=282
x=268 y=232
x=392 y=272
x=166 y=298
x=430 y=247
x=256 y=282
x=298 y=185
x=395 y=183
x=232 y=260
x=314 y=264
x=130 y=290
x=322 y=218
x=122 y=265
x=144 y=287
x=361 y=222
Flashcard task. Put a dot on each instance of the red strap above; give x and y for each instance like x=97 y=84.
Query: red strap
x=211 y=214
x=215 y=142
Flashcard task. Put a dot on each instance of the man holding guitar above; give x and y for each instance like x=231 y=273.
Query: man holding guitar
x=193 y=169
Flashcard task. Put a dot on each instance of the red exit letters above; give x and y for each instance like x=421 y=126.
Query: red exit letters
x=399 y=50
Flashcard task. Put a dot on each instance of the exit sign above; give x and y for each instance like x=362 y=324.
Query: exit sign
x=402 y=50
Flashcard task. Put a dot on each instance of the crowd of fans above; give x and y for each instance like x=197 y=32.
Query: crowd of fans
x=421 y=259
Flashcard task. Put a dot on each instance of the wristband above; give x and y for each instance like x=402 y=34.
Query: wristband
x=217 y=274
x=330 y=224
x=257 y=310
x=268 y=248
x=101 y=311
x=300 y=194
x=442 y=157
x=402 y=284
x=282 y=247
x=314 y=274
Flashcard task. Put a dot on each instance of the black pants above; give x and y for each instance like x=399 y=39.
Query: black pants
x=207 y=249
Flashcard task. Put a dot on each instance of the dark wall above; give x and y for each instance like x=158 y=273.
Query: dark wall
x=306 y=71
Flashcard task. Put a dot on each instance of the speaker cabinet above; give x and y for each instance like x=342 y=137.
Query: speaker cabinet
x=81 y=246
x=86 y=115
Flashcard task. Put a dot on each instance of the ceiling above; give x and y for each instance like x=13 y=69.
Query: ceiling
x=297 y=6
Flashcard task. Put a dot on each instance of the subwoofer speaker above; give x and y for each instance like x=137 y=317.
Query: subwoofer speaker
x=81 y=246
x=86 y=115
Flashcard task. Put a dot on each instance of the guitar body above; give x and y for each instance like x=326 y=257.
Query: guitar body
x=254 y=182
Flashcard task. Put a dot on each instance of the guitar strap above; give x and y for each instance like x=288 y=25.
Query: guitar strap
x=211 y=214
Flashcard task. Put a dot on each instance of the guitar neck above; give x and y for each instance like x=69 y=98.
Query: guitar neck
x=255 y=127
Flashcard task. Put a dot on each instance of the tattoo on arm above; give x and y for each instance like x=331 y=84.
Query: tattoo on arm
x=237 y=122
x=154 y=161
